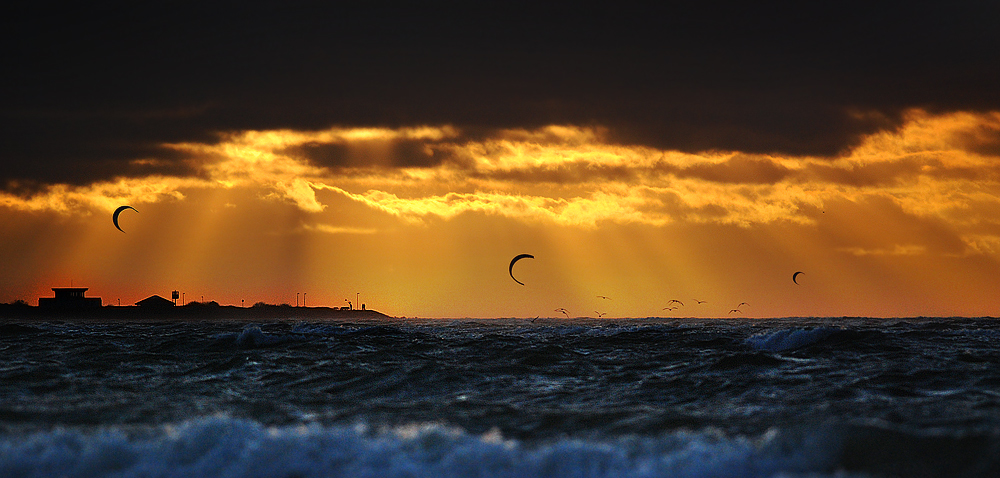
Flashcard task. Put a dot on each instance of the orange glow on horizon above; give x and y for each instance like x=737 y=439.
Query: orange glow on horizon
x=423 y=220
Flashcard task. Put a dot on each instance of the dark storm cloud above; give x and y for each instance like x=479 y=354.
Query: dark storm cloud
x=90 y=88
x=983 y=139
x=564 y=174
x=896 y=172
x=739 y=169
x=387 y=153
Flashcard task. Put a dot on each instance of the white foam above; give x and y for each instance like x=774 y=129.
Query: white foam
x=789 y=339
x=253 y=336
x=226 y=447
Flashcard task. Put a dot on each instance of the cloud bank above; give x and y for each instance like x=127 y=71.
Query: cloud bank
x=92 y=93
x=939 y=167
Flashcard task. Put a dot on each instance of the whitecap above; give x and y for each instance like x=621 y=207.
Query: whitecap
x=788 y=339
x=227 y=447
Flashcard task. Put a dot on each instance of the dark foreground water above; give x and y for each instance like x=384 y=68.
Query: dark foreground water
x=502 y=398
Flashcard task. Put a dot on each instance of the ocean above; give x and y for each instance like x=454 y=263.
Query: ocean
x=796 y=397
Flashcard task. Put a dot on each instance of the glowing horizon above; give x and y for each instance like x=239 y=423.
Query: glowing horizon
x=422 y=221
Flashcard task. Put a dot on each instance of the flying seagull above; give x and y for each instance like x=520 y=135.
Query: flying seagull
x=604 y=297
x=700 y=301
x=736 y=310
x=599 y=314
x=564 y=311
x=742 y=304
x=675 y=300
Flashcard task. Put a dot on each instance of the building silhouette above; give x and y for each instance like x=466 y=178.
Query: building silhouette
x=69 y=298
x=155 y=302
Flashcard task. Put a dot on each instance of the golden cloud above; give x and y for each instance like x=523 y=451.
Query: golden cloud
x=328 y=229
x=105 y=196
x=940 y=166
x=897 y=250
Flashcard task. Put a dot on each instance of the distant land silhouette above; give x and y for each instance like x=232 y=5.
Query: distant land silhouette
x=191 y=311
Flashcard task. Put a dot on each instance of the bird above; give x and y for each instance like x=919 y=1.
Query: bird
x=670 y=308
x=604 y=297
x=599 y=314
x=675 y=300
x=736 y=310
x=564 y=311
x=700 y=301
x=742 y=304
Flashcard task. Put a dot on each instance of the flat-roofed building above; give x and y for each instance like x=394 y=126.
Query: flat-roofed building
x=69 y=298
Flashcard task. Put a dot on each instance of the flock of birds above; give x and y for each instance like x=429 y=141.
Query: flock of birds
x=670 y=304
x=669 y=307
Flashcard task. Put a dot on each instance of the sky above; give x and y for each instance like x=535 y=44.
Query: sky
x=400 y=155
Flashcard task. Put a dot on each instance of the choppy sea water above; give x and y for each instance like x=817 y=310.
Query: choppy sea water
x=501 y=398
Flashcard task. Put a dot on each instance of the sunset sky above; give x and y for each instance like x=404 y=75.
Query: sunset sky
x=406 y=154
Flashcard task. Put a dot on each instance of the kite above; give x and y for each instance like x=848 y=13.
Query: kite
x=114 y=217
x=514 y=260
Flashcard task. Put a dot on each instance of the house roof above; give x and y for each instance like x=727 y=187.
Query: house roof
x=155 y=301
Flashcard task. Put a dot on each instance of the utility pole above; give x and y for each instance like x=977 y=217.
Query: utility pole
x=304 y=299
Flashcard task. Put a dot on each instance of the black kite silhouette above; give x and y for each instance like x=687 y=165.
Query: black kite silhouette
x=516 y=258
x=114 y=217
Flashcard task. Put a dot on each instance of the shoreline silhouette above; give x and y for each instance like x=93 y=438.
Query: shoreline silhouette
x=190 y=311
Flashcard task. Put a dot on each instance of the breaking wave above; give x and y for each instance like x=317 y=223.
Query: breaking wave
x=222 y=446
x=790 y=339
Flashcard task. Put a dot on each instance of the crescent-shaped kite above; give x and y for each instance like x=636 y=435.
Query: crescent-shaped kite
x=114 y=217
x=795 y=275
x=515 y=259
